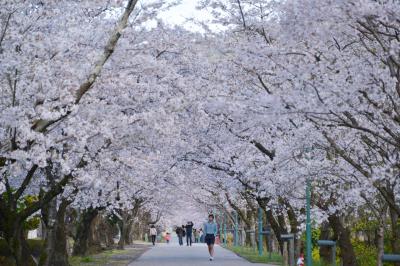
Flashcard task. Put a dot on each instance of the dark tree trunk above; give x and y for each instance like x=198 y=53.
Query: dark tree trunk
x=108 y=236
x=395 y=228
x=18 y=244
x=380 y=243
x=294 y=227
x=123 y=226
x=344 y=241
x=55 y=251
x=325 y=252
x=262 y=202
x=101 y=234
x=276 y=228
x=81 y=246
x=129 y=235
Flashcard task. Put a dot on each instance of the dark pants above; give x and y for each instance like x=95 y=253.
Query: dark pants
x=209 y=239
x=189 y=239
x=180 y=240
x=153 y=239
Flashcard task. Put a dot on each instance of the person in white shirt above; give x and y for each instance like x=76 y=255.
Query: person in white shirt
x=153 y=234
x=210 y=230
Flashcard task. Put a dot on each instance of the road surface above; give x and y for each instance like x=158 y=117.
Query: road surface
x=196 y=255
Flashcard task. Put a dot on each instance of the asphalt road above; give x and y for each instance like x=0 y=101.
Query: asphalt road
x=196 y=255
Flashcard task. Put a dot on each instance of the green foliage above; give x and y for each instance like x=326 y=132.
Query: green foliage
x=251 y=255
x=27 y=201
x=87 y=259
x=365 y=224
x=366 y=255
x=23 y=203
x=321 y=263
x=229 y=239
x=315 y=255
x=315 y=234
x=32 y=223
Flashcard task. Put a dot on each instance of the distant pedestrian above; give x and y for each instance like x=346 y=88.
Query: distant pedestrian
x=153 y=234
x=201 y=235
x=196 y=234
x=168 y=237
x=300 y=260
x=189 y=231
x=210 y=230
x=180 y=233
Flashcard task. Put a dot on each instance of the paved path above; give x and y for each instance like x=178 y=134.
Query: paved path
x=196 y=255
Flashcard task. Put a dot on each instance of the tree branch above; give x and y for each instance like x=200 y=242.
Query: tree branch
x=42 y=125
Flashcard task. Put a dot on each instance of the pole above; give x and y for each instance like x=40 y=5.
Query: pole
x=260 y=232
x=308 y=224
x=236 y=229
x=334 y=255
x=225 y=229
x=221 y=221
x=269 y=240
x=291 y=252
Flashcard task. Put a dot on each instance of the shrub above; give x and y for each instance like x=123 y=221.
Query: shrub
x=366 y=255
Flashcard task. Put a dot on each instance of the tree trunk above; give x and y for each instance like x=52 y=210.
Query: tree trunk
x=325 y=252
x=243 y=237
x=253 y=235
x=55 y=252
x=121 y=242
x=380 y=244
x=395 y=228
x=18 y=244
x=129 y=235
x=81 y=246
x=344 y=241
x=123 y=226
x=275 y=226
x=262 y=202
x=101 y=234
x=294 y=227
x=285 y=254
x=109 y=232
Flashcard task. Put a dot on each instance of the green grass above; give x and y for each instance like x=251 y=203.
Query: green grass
x=251 y=255
x=87 y=260
x=108 y=257
x=99 y=259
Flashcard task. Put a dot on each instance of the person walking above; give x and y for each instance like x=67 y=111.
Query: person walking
x=201 y=235
x=196 y=235
x=168 y=237
x=180 y=233
x=189 y=231
x=210 y=230
x=153 y=234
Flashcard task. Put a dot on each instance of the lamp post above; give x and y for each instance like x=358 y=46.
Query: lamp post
x=236 y=239
x=260 y=232
x=308 y=156
x=225 y=229
x=308 y=223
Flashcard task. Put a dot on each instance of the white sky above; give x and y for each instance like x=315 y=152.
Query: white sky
x=180 y=14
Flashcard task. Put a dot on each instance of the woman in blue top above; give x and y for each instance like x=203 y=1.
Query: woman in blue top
x=210 y=230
